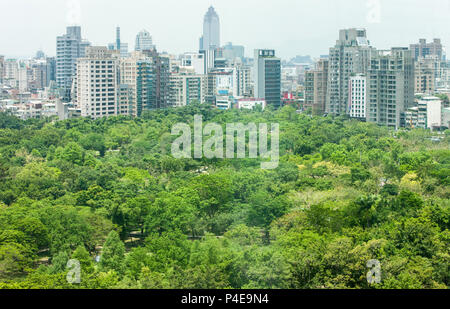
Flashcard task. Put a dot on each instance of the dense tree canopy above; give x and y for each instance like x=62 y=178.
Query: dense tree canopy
x=109 y=194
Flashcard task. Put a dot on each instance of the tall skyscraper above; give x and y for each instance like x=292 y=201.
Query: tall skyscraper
x=316 y=82
x=69 y=47
x=119 y=45
x=423 y=49
x=267 y=78
x=349 y=57
x=144 y=41
x=211 y=31
x=390 y=86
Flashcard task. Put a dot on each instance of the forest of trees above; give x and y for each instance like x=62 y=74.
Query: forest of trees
x=109 y=194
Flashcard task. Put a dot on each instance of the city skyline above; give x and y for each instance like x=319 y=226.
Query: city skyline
x=290 y=36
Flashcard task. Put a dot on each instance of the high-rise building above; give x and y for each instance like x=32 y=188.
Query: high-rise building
x=147 y=74
x=39 y=74
x=426 y=71
x=196 y=61
x=186 y=89
x=144 y=41
x=11 y=73
x=69 y=47
x=40 y=54
x=211 y=31
x=231 y=52
x=349 y=57
x=316 y=87
x=358 y=96
x=242 y=81
x=267 y=78
x=96 y=86
x=161 y=65
x=51 y=69
x=423 y=49
x=137 y=71
x=443 y=80
x=390 y=86
x=119 y=45
x=23 y=77
x=210 y=56
x=11 y=69
x=2 y=68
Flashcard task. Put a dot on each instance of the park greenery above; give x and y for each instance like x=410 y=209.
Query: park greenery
x=345 y=192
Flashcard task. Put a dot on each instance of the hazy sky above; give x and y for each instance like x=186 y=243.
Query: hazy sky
x=292 y=27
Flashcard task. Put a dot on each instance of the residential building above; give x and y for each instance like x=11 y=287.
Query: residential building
x=23 y=77
x=69 y=47
x=443 y=79
x=358 y=96
x=391 y=86
x=39 y=69
x=242 y=75
x=428 y=113
x=51 y=70
x=416 y=116
x=186 y=89
x=316 y=87
x=10 y=70
x=96 y=86
x=350 y=56
x=426 y=70
x=2 y=68
x=423 y=49
x=138 y=73
x=224 y=83
x=161 y=65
